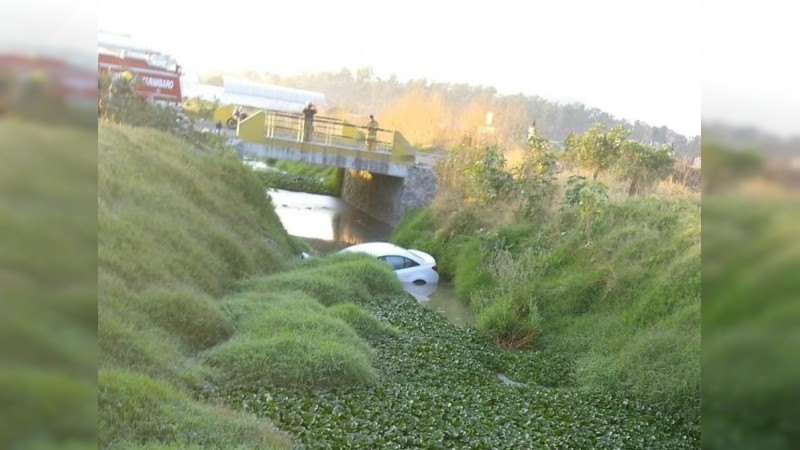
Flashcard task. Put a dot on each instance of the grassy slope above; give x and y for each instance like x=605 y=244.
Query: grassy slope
x=195 y=296
x=624 y=312
x=48 y=287
x=175 y=230
x=751 y=259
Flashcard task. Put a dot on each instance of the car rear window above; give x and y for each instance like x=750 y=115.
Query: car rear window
x=399 y=262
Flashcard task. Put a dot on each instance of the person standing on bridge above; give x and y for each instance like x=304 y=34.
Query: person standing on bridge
x=308 y=122
x=372 y=133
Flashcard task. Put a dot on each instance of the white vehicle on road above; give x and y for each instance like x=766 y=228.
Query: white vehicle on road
x=411 y=266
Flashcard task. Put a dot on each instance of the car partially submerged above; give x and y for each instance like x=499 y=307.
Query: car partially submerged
x=411 y=266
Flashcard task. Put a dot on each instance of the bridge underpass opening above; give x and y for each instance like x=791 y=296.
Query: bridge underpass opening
x=382 y=177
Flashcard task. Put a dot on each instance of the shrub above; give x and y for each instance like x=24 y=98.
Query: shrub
x=596 y=149
x=487 y=178
x=643 y=165
x=590 y=198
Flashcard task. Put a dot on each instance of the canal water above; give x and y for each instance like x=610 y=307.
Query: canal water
x=332 y=224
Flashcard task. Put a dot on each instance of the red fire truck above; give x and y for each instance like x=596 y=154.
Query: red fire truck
x=156 y=76
x=27 y=75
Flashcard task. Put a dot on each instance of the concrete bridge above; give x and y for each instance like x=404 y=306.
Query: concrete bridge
x=381 y=175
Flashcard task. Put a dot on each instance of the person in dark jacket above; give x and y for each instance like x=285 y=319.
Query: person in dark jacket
x=372 y=133
x=308 y=121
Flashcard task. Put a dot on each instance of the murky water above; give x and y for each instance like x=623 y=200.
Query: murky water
x=326 y=218
x=333 y=220
x=443 y=300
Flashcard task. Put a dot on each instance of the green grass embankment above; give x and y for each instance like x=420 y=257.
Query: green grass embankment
x=622 y=314
x=751 y=259
x=177 y=231
x=211 y=330
x=48 y=284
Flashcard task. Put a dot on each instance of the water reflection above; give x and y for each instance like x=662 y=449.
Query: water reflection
x=326 y=218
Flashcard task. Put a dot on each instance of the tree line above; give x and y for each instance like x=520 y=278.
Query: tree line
x=436 y=115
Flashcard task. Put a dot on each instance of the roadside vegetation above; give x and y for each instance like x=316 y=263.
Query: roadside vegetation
x=213 y=333
x=750 y=284
x=176 y=228
x=596 y=264
x=48 y=283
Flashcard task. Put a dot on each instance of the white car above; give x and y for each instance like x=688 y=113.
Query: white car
x=411 y=266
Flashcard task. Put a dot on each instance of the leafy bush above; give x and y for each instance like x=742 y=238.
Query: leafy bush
x=535 y=176
x=642 y=165
x=488 y=179
x=590 y=197
x=330 y=177
x=596 y=149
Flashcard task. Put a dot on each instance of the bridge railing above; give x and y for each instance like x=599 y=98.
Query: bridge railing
x=326 y=132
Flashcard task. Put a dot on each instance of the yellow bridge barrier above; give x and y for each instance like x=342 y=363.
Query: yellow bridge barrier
x=327 y=135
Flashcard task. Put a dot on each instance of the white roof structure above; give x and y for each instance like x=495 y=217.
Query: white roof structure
x=204 y=91
x=255 y=95
x=115 y=43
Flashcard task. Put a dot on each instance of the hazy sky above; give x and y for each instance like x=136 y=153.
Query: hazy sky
x=633 y=59
x=751 y=67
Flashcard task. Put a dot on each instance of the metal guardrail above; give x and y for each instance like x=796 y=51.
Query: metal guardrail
x=327 y=131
